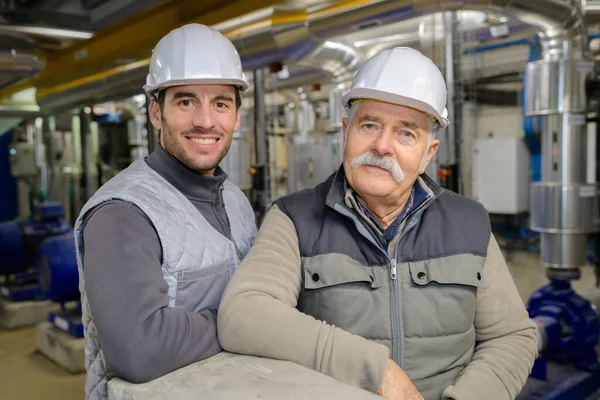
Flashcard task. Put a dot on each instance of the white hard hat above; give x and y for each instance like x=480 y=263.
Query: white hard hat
x=194 y=54
x=401 y=76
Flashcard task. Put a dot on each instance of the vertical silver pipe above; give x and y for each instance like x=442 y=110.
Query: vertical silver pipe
x=450 y=72
x=260 y=135
x=454 y=103
x=564 y=206
x=86 y=162
x=49 y=132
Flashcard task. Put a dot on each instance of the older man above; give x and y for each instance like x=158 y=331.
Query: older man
x=378 y=277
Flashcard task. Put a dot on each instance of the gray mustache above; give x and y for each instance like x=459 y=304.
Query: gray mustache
x=387 y=163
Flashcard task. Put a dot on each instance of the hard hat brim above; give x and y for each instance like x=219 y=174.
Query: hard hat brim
x=374 y=94
x=242 y=85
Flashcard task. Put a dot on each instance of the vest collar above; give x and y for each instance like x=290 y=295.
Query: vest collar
x=192 y=185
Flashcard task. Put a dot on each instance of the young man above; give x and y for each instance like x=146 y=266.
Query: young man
x=157 y=244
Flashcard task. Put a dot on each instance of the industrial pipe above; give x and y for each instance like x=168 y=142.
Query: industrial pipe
x=18 y=66
x=276 y=34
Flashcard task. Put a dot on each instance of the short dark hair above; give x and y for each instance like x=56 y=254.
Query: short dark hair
x=160 y=98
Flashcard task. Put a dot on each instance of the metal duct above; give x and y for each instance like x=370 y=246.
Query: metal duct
x=282 y=34
x=15 y=67
x=121 y=85
x=338 y=59
x=277 y=34
x=24 y=111
x=57 y=33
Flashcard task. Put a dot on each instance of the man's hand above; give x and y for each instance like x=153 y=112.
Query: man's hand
x=396 y=384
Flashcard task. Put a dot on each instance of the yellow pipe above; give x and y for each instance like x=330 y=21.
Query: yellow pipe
x=92 y=78
x=46 y=87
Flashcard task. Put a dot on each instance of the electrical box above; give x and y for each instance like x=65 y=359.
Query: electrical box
x=501 y=175
x=22 y=159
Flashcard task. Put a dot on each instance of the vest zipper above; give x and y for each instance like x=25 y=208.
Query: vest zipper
x=222 y=204
x=397 y=316
x=393 y=274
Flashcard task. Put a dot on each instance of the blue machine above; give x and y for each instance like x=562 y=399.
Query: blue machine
x=19 y=243
x=569 y=329
x=58 y=277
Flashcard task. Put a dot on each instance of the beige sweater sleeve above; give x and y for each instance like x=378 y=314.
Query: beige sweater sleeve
x=506 y=338
x=257 y=315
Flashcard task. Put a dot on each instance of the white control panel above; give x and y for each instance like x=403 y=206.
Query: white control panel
x=22 y=159
x=501 y=174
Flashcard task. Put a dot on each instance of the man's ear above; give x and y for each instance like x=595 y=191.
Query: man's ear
x=155 y=114
x=345 y=128
x=433 y=148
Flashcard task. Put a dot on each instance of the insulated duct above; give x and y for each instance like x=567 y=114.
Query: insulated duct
x=15 y=67
x=277 y=34
x=338 y=59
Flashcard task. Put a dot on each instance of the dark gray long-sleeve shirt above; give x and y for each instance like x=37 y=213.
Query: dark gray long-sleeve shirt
x=141 y=337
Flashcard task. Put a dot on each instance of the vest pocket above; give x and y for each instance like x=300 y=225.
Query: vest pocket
x=342 y=292
x=202 y=289
x=336 y=269
x=454 y=270
x=444 y=290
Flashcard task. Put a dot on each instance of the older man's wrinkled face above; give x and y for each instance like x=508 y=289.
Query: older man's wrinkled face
x=387 y=147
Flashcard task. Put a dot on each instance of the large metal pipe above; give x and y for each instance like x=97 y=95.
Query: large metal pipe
x=278 y=34
x=338 y=59
x=57 y=33
x=15 y=67
x=451 y=69
x=564 y=207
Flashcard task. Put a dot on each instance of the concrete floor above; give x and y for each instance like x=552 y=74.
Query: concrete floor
x=27 y=375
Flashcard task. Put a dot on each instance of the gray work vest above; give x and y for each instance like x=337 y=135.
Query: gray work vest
x=418 y=298
x=198 y=261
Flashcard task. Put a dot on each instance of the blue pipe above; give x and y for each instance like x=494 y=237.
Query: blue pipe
x=515 y=42
x=496 y=46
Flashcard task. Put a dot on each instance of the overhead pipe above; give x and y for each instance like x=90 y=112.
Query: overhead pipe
x=18 y=66
x=56 y=33
x=276 y=34
x=21 y=111
x=338 y=59
x=280 y=34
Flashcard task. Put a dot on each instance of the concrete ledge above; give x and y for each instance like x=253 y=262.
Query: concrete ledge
x=18 y=314
x=229 y=376
x=60 y=347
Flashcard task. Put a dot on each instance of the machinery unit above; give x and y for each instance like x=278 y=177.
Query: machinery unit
x=23 y=160
x=565 y=211
x=57 y=273
x=19 y=243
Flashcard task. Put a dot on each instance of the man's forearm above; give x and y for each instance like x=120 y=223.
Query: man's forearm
x=506 y=337
x=141 y=337
x=258 y=316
